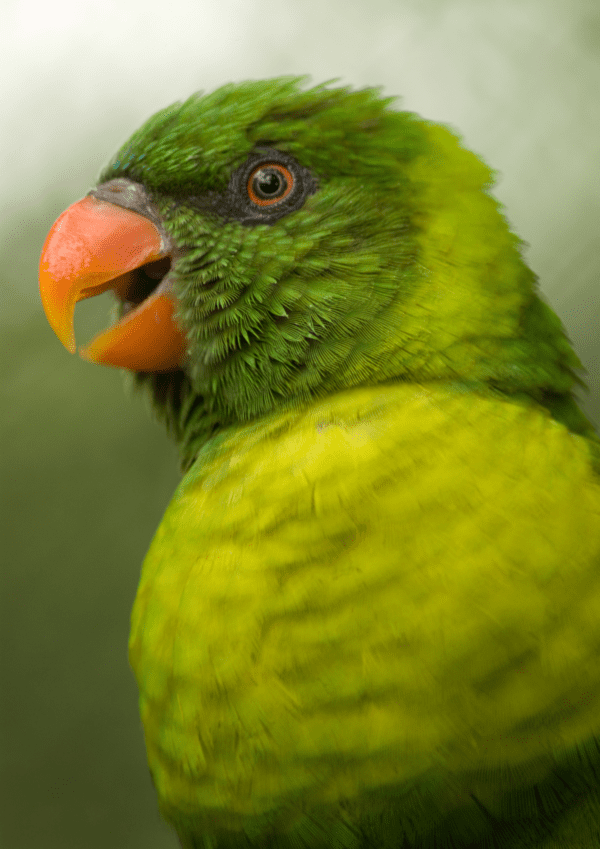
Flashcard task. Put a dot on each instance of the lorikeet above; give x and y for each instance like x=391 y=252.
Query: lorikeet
x=371 y=614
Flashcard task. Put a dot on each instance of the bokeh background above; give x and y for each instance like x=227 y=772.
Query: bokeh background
x=86 y=473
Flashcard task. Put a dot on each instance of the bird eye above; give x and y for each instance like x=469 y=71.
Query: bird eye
x=269 y=184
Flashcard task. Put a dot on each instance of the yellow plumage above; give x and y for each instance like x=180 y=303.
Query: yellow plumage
x=398 y=584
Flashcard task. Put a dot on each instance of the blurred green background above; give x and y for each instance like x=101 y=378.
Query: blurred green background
x=86 y=472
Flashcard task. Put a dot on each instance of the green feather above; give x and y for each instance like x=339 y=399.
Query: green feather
x=369 y=617
x=365 y=283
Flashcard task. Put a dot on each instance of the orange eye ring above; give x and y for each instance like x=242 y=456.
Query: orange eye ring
x=269 y=184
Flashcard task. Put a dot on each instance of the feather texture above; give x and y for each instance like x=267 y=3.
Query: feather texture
x=385 y=592
x=369 y=618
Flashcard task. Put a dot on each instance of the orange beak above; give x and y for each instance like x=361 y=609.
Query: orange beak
x=95 y=246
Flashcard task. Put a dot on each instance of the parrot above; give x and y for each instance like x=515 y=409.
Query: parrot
x=370 y=616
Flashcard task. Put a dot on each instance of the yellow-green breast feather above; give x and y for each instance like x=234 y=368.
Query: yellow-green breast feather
x=399 y=582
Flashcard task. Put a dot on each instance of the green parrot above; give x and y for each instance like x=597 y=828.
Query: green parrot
x=370 y=617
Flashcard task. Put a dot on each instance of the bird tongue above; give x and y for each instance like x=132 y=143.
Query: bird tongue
x=95 y=246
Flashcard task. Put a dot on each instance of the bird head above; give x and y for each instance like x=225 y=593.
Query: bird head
x=268 y=244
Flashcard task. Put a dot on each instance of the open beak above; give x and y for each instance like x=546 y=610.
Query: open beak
x=96 y=245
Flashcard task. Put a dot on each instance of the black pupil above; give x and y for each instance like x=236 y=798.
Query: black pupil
x=269 y=183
